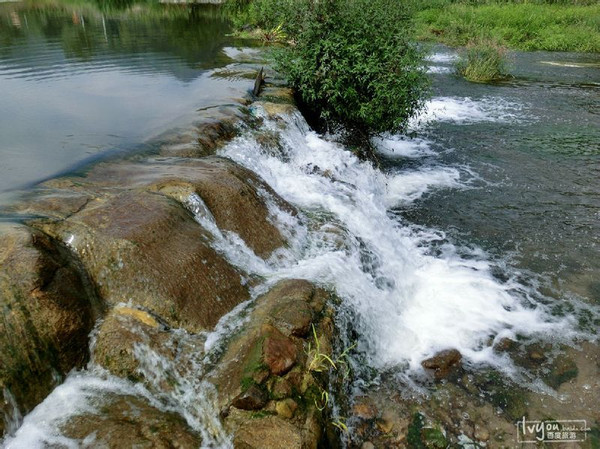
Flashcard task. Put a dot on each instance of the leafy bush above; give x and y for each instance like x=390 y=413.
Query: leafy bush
x=352 y=62
x=482 y=61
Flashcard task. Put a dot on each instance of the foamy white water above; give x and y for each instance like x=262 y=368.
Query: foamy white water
x=408 y=186
x=80 y=393
x=407 y=302
x=465 y=110
x=393 y=146
x=91 y=390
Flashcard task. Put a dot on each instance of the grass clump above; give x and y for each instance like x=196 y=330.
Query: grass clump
x=482 y=61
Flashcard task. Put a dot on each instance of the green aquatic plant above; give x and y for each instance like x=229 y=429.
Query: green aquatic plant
x=482 y=61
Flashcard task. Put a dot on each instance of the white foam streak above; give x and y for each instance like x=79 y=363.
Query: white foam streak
x=409 y=186
x=402 y=147
x=442 y=57
x=465 y=110
x=439 y=69
x=226 y=242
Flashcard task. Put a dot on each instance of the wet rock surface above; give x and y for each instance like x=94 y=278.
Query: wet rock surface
x=238 y=200
x=48 y=307
x=480 y=408
x=254 y=398
x=147 y=249
x=122 y=330
x=442 y=363
x=267 y=359
x=129 y=421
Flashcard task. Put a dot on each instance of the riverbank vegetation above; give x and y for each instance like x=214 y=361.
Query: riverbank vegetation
x=352 y=62
x=553 y=25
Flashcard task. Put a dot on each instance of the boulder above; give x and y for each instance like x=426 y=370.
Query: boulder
x=236 y=197
x=49 y=306
x=146 y=249
x=244 y=360
x=442 y=363
x=129 y=421
x=265 y=351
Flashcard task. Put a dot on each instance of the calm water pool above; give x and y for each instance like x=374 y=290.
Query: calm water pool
x=77 y=83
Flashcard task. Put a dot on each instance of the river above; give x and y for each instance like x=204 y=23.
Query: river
x=481 y=225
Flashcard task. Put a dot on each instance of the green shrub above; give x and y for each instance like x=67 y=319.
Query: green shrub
x=352 y=62
x=482 y=61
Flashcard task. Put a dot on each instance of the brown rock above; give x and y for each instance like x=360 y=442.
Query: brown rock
x=364 y=408
x=481 y=433
x=295 y=377
x=263 y=339
x=48 y=307
x=128 y=421
x=147 y=249
x=280 y=388
x=276 y=110
x=235 y=196
x=291 y=309
x=121 y=331
x=252 y=399
x=260 y=376
x=504 y=345
x=442 y=363
x=279 y=352
x=271 y=432
x=286 y=408
x=385 y=425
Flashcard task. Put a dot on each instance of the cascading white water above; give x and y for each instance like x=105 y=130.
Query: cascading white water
x=91 y=390
x=408 y=301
